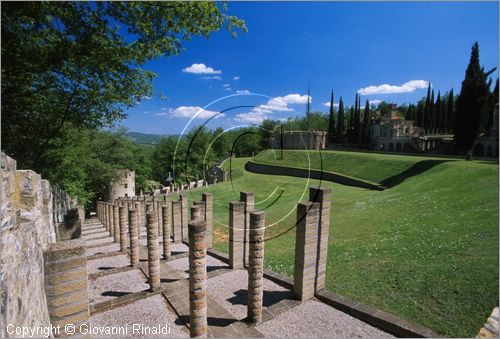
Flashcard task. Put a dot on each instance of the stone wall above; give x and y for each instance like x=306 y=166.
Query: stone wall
x=31 y=210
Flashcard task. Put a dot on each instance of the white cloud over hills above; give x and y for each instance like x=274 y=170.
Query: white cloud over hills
x=277 y=104
x=407 y=87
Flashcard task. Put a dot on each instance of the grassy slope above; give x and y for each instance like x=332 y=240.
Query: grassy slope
x=426 y=249
x=366 y=166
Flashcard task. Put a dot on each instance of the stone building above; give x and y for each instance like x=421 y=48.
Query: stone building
x=124 y=186
x=310 y=140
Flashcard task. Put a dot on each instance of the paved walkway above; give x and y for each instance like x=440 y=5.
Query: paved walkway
x=120 y=298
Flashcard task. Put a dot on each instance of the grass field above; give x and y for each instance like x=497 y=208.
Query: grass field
x=426 y=249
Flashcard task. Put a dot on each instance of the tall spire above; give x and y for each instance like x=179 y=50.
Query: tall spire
x=308 y=109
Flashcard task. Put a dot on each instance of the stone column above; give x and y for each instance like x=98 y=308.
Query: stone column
x=123 y=228
x=116 y=223
x=236 y=231
x=184 y=216
x=197 y=211
x=322 y=196
x=66 y=285
x=166 y=230
x=110 y=220
x=105 y=216
x=306 y=250
x=133 y=217
x=197 y=280
x=207 y=199
x=249 y=199
x=159 y=205
x=176 y=221
x=256 y=267
x=153 y=252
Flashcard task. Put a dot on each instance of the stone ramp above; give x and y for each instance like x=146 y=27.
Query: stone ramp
x=120 y=297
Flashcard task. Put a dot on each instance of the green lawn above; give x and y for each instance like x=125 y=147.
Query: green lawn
x=425 y=249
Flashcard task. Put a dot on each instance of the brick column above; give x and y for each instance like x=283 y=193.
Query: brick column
x=306 y=250
x=153 y=252
x=196 y=210
x=197 y=280
x=322 y=196
x=166 y=230
x=184 y=216
x=66 y=284
x=256 y=267
x=236 y=231
x=116 y=223
x=111 y=228
x=176 y=221
x=133 y=217
x=159 y=205
x=207 y=199
x=123 y=228
x=249 y=199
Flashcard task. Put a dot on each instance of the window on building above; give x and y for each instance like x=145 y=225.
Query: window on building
x=126 y=195
x=125 y=185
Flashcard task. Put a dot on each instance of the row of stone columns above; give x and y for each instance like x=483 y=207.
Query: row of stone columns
x=246 y=230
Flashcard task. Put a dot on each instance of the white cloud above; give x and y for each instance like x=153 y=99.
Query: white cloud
x=226 y=85
x=242 y=91
x=191 y=111
x=161 y=114
x=229 y=89
x=236 y=77
x=146 y=112
x=145 y=97
x=327 y=104
x=277 y=104
x=255 y=117
x=375 y=102
x=407 y=87
x=293 y=99
x=215 y=77
x=201 y=69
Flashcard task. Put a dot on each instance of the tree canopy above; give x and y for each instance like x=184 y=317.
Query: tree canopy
x=78 y=64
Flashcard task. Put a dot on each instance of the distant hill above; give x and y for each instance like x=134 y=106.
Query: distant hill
x=144 y=139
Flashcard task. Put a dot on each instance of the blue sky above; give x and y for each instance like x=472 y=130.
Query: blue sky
x=344 y=46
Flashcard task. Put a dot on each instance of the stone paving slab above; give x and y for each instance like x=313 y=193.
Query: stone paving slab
x=99 y=241
x=103 y=264
x=147 y=313
x=95 y=235
x=230 y=290
x=115 y=285
x=313 y=319
x=103 y=249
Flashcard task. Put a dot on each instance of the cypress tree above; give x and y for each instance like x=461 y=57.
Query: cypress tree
x=450 y=109
x=430 y=121
x=331 y=122
x=427 y=110
x=470 y=103
x=340 y=121
x=366 y=124
x=490 y=108
x=437 y=112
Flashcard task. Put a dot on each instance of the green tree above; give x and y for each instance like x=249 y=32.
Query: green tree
x=340 y=119
x=437 y=112
x=66 y=64
x=331 y=122
x=471 y=102
x=427 y=110
x=450 y=111
x=366 y=123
